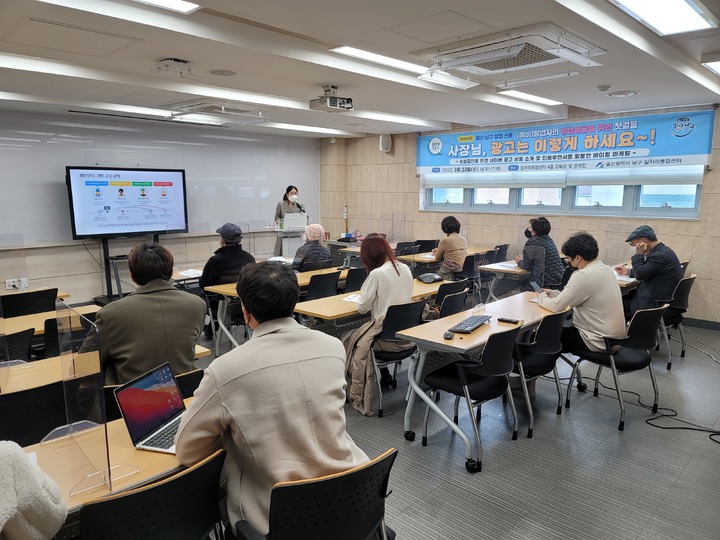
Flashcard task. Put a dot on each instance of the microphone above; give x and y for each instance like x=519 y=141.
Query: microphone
x=301 y=207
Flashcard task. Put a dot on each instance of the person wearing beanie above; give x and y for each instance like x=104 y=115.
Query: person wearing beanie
x=312 y=250
x=224 y=267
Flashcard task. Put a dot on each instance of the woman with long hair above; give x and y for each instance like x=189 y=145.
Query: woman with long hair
x=388 y=283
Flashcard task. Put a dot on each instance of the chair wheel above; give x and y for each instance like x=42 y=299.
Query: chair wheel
x=424 y=441
x=473 y=466
x=437 y=396
x=409 y=435
x=393 y=384
x=581 y=386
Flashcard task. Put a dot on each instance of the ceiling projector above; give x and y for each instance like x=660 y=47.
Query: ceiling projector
x=330 y=102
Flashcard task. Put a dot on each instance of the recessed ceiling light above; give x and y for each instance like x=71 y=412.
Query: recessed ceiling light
x=514 y=83
x=622 y=93
x=223 y=72
x=445 y=79
x=669 y=16
x=179 y=6
x=529 y=97
x=712 y=62
x=379 y=59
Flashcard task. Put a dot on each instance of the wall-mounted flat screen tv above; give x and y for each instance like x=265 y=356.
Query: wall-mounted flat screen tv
x=108 y=202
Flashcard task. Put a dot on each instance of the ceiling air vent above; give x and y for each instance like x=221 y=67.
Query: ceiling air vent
x=241 y=113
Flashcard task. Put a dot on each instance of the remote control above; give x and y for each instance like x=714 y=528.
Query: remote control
x=506 y=320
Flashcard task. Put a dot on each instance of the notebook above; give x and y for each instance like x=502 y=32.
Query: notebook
x=151 y=406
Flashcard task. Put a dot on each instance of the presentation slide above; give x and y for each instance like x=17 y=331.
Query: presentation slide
x=120 y=202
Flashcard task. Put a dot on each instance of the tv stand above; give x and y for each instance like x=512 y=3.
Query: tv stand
x=111 y=270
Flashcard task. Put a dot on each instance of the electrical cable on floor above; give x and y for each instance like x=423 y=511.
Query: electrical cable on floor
x=701 y=343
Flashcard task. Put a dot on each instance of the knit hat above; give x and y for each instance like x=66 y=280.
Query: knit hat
x=314 y=232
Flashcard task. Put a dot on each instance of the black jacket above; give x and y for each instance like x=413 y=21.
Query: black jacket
x=228 y=260
x=310 y=251
x=658 y=272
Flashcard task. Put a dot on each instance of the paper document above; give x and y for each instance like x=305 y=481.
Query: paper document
x=427 y=256
x=283 y=260
x=191 y=273
x=352 y=298
x=508 y=264
x=626 y=279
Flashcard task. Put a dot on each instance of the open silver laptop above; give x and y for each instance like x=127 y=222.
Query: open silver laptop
x=151 y=406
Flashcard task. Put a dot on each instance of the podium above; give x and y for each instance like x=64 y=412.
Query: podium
x=291 y=231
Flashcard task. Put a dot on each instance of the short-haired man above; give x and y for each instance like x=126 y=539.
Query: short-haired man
x=275 y=403
x=655 y=266
x=155 y=324
x=224 y=266
x=592 y=292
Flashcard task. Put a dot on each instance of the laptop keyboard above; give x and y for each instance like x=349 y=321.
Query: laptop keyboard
x=165 y=438
x=471 y=323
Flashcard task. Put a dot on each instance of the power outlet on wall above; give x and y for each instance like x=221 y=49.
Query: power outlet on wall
x=24 y=283
x=11 y=284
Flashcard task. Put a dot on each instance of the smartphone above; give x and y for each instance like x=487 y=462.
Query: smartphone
x=536 y=287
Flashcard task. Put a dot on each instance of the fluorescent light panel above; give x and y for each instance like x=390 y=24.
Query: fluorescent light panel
x=379 y=59
x=712 y=62
x=529 y=97
x=514 y=83
x=575 y=58
x=445 y=79
x=179 y=6
x=666 y=17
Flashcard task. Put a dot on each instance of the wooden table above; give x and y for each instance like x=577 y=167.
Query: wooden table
x=37 y=320
x=333 y=308
x=61 y=295
x=58 y=368
x=429 y=337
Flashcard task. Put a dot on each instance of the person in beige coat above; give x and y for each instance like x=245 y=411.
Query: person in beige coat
x=275 y=403
x=452 y=249
x=155 y=324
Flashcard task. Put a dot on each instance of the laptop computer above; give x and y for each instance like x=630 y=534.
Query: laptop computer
x=151 y=406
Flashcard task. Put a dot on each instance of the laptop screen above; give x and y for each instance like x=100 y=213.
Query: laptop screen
x=149 y=401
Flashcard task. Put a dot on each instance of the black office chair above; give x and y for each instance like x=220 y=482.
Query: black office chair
x=452 y=304
x=401 y=248
x=321 y=285
x=501 y=253
x=27 y=303
x=470 y=273
x=477 y=380
x=19 y=346
x=348 y=505
x=354 y=280
x=538 y=356
x=426 y=246
x=567 y=273
x=684 y=265
x=29 y=415
x=450 y=288
x=397 y=318
x=189 y=381
x=306 y=266
x=673 y=317
x=182 y=506
x=623 y=355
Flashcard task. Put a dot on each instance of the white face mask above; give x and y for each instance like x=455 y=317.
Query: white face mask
x=293 y=198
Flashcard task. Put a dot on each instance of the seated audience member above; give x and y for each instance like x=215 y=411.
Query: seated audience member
x=311 y=250
x=280 y=417
x=655 y=266
x=31 y=506
x=155 y=324
x=592 y=292
x=388 y=283
x=224 y=266
x=546 y=270
x=452 y=249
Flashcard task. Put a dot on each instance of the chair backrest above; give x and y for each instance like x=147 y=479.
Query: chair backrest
x=426 y=246
x=684 y=265
x=681 y=295
x=402 y=246
x=452 y=304
x=322 y=285
x=31 y=414
x=642 y=329
x=400 y=317
x=27 y=303
x=348 y=505
x=501 y=254
x=567 y=273
x=182 y=506
x=489 y=257
x=547 y=336
x=188 y=382
x=469 y=269
x=450 y=288
x=412 y=250
x=355 y=278
x=19 y=345
x=497 y=356
x=306 y=266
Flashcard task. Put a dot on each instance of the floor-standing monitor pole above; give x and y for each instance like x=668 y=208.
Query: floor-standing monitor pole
x=108 y=277
x=156 y=238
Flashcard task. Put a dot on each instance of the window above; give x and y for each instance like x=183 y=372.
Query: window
x=447 y=196
x=667 y=196
x=538 y=196
x=492 y=196
x=599 y=196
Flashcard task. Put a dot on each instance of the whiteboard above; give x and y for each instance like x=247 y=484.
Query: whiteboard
x=230 y=176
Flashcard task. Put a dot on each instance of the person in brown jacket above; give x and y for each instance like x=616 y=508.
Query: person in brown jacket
x=452 y=249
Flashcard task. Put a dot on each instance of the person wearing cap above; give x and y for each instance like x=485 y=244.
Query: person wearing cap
x=224 y=266
x=654 y=265
x=312 y=250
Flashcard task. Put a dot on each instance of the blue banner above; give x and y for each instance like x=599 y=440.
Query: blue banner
x=639 y=141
